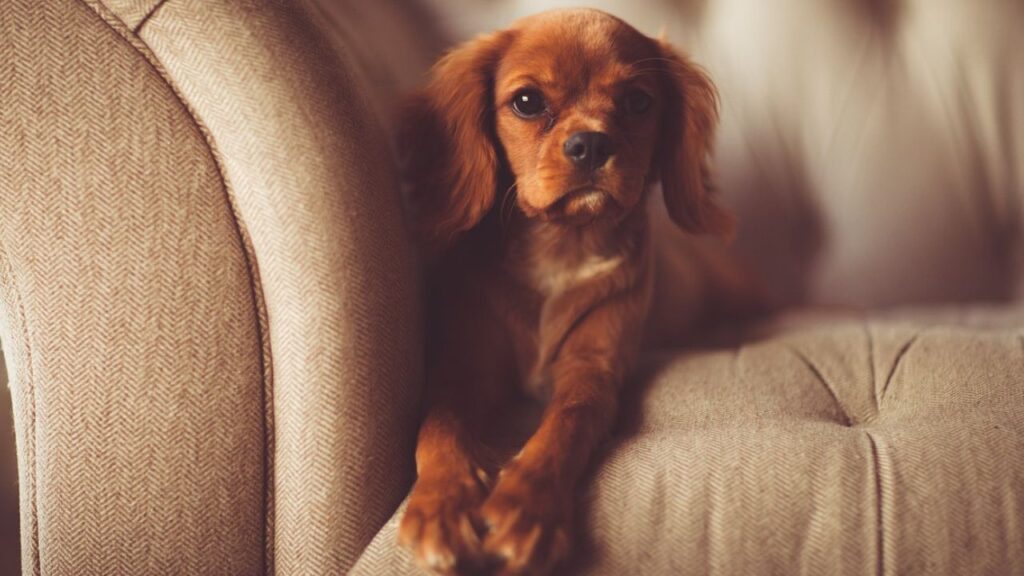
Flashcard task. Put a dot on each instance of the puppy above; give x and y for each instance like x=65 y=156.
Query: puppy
x=529 y=157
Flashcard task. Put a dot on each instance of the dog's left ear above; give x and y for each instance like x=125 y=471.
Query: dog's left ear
x=683 y=163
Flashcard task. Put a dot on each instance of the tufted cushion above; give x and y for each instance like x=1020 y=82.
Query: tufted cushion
x=829 y=444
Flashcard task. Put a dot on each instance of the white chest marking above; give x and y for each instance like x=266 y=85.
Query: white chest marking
x=557 y=277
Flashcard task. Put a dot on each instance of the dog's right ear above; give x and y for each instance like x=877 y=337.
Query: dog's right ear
x=448 y=140
x=689 y=127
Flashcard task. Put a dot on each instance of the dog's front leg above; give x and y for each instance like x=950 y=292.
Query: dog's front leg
x=450 y=485
x=464 y=380
x=529 y=512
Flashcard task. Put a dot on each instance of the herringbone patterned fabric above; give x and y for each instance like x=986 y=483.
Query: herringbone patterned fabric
x=888 y=445
x=132 y=12
x=129 y=313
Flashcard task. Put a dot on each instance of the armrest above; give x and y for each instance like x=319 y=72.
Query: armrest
x=206 y=295
x=127 y=312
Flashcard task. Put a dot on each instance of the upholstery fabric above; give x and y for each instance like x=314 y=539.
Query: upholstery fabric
x=826 y=444
x=128 y=316
x=310 y=173
x=132 y=12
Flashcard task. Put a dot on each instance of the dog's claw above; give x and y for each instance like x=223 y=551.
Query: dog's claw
x=529 y=533
x=438 y=525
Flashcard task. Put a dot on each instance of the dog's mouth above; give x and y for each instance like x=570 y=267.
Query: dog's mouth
x=581 y=206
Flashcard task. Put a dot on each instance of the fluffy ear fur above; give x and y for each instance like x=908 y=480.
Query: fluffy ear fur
x=683 y=165
x=448 y=141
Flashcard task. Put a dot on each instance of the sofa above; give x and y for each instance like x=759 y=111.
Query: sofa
x=210 y=314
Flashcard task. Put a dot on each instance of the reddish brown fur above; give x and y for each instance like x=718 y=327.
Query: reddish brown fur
x=532 y=285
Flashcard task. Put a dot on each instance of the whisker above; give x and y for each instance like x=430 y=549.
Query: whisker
x=510 y=194
x=669 y=61
x=636 y=69
x=638 y=73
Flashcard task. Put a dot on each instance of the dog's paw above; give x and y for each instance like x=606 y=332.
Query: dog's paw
x=439 y=524
x=528 y=524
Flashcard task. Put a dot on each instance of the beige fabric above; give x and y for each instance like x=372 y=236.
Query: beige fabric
x=313 y=183
x=884 y=445
x=128 y=313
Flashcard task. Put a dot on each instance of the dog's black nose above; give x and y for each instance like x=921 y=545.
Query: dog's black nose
x=588 y=150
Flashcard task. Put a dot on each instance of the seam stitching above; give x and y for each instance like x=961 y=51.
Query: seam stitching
x=147 y=16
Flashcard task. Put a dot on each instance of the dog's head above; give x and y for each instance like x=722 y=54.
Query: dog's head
x=573 y=110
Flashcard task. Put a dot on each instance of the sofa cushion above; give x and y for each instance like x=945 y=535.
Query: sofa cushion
x=828 y=443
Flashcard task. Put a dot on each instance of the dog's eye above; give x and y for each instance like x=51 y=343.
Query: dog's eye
x=528 y=103
x=638 y=101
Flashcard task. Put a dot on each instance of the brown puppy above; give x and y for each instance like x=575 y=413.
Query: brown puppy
x=530 y=155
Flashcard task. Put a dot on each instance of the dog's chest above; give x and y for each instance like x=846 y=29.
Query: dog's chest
x=555 y=281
